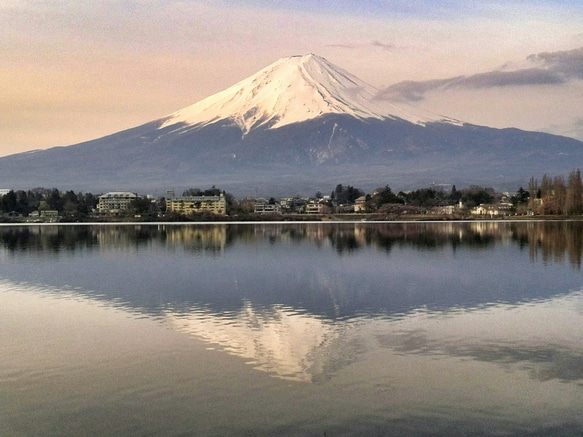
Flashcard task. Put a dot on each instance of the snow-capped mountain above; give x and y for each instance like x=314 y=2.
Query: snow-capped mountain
x=293 y=90
x=298 y=126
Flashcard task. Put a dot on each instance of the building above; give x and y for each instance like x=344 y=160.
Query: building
x=493 y=210
x=49 y=215
x=115 y=202
x=360 y=204
x=316 y=208
x=262 y=206
x=187 y=205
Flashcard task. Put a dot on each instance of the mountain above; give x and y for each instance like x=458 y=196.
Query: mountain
x=297 y=126
x=292 y=90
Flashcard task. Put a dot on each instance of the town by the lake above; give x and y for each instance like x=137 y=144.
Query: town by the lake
x=557 y=196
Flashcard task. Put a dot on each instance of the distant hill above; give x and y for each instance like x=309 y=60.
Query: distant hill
x=297 y=126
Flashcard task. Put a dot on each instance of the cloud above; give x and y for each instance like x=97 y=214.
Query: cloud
x=374 y=44
x=384 y=46
x=344 y=46
x=552 y=68
x=411 y=90
x=530 y=76
x=568 y=62
x=570 y=128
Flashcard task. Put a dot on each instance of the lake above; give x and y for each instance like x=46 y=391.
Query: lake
x=287 y=329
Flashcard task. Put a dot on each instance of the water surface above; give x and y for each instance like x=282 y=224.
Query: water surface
x=292 y=329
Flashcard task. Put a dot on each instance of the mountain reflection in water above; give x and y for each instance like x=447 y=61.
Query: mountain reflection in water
x=302 y=347
x=303 y=301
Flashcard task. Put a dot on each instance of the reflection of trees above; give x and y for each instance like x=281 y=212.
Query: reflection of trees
x=46 y=238
x=349 y=237
x=429 y=236
x=552 y=241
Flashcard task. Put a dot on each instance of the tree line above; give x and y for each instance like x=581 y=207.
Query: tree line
x=67 y=203
x=551 y=196
x=557 y=196
x=424 y=197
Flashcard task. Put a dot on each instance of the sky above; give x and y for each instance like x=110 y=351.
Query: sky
x=74 y=70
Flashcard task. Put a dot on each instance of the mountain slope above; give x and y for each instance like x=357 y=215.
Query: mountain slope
x=297 y=126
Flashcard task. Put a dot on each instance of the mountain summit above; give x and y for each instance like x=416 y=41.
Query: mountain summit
x=292 y=90
x=297 y=126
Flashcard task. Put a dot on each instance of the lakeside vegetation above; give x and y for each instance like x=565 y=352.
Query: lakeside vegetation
x=551 y=197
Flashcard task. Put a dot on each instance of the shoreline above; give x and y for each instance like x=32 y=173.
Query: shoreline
x=328 y=219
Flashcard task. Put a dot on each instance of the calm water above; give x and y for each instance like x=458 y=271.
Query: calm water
x=292 y=329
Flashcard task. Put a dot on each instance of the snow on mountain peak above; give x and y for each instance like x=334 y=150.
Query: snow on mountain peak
x=292 y=90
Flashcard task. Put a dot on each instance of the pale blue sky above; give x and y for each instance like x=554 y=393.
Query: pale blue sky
x=76 y=70
x=435 y=9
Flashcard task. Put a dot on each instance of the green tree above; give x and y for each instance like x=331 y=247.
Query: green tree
x=55 y=201
x=213 y=191
x=140 y=206
x=192 y=192
x=43 y=205
x=454 y=196
x=476 y=195
x=521 y=197
x=22 y=202
x=9 y=202
x=346 y=195
x=383 y=196
x=70 y=203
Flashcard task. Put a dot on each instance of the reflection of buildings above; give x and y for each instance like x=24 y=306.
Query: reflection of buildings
x=555 y=241
x=118 y=237
x=491 y=230
x=320 y=233
x=211 y=238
